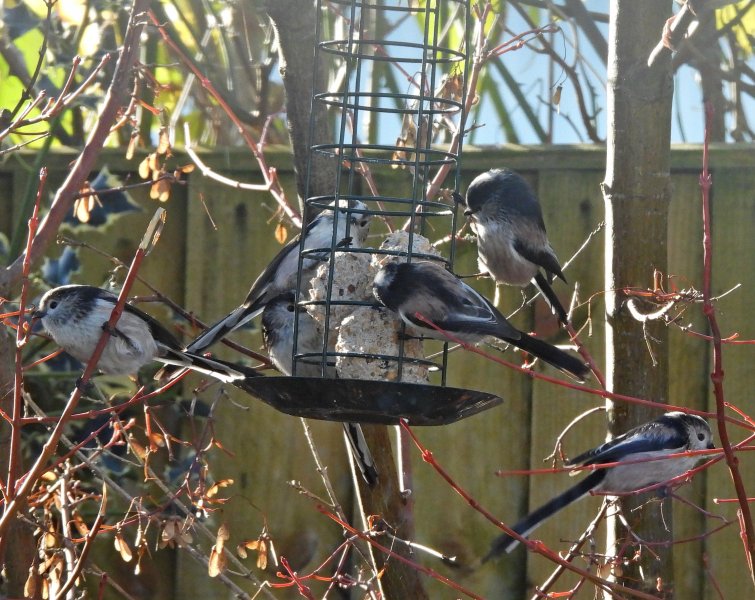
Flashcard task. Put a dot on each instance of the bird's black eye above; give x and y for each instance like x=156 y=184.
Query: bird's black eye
x=54 y=304
x=701 y=436
x=290 y=308
x=363 y=223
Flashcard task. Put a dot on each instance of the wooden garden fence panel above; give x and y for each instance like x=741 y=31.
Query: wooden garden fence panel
x=207 y=265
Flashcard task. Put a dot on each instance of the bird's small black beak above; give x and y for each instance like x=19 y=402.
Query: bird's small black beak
x=38 y=314
x=711 y=446
x=458 y=198
x=469 y=212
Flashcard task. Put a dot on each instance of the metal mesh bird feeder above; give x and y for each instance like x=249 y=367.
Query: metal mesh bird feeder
x=405 y=93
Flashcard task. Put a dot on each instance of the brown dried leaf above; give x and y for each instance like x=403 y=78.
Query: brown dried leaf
x=83 y=206
x=140 y=551
x=399 y=155
x=80 y=525
x=153 y=164
x=281 y=234
x=556 y=99
x=260 y=545
x=185 y=538
x=156 y=441
x=51 y=540
x=246 y=545
x=30 y=587
x=262 y=556
x=223 y=535
x=122 y=546
x=215 y=488
x=144 y=168
x=217 y=562
x=453 y=87
x=160 y=190
x=163 y=144
x=55 y=572
x=187 y=168
x=43 y=566
x=168 y=534
x=139 y=450
x=49 y=476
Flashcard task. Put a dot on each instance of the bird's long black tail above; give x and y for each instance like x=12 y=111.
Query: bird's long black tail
x=506 y=543
x=543 y=285
x=214 y=367
x=209 y=336
x=360 y=451
x=564 y=361
x=215 y=332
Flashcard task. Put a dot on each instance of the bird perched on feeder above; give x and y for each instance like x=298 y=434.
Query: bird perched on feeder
x=74 y=316
x=278 y=336
x=445 y=300
x=351 y=227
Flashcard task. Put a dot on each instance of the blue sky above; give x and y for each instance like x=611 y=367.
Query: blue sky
x=530 y=70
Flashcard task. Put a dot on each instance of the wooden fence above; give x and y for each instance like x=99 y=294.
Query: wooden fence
x=207 y=266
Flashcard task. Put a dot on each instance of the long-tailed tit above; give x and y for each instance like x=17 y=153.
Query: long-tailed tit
x=512 y=245
x=670 y=433
x=442 y=298
x=278 y=336
x=74 y=316
x=280 y=275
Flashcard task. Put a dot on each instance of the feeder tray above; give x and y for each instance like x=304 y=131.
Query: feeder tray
x=366 y=401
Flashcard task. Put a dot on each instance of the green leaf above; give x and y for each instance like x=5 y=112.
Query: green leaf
x=743 y=30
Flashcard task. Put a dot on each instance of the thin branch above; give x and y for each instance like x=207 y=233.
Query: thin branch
x=40 y=465
x=269 y=174
x=534 y=546
x=717 y=375
x=210 y=174
x=114 y=100
x=88 y=541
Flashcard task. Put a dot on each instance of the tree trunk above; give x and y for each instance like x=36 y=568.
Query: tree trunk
x=294 y=25
x=637 y=195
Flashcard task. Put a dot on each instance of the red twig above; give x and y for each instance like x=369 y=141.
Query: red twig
x=303 y=589
x=717 y=375
x=585 y=354
x=582 y=388
x=518 y=41
x=40 y=465
x=89 y=540
x=610 y=465
x=732 y=339
x=533 y=545
x=269 y=174
x=138 y=398
x=114 y=101
x=14 y=459
x=389 y=552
